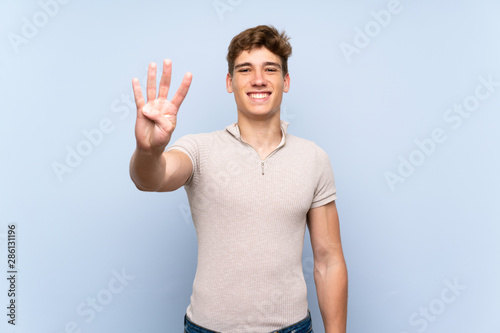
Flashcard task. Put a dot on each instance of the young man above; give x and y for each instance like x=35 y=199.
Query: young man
x=252 y=188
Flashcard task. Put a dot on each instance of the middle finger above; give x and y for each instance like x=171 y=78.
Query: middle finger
x=165 y=79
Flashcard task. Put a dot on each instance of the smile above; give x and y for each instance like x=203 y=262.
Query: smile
x=259 y=96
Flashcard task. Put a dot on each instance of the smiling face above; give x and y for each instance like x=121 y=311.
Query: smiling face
x=258 y=83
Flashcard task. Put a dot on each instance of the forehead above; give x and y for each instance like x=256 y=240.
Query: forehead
x=257 y=56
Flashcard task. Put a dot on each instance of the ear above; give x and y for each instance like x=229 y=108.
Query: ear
x=229 y=83
x=286 y=86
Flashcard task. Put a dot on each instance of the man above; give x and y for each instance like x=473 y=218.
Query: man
x=252 y=189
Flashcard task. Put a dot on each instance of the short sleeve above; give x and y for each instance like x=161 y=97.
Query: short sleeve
x=325 y=191
x=189 y=146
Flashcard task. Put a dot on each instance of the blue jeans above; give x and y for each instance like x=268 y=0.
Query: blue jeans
x=303 y=326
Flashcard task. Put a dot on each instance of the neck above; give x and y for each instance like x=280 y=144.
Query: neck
x=262 y=134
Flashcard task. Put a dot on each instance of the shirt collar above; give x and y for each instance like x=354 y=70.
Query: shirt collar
x=235 y=131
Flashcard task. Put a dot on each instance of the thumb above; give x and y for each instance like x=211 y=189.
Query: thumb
x=165 y=122
x=148 y=111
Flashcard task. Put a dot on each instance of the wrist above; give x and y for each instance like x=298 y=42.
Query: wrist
x=150 y=152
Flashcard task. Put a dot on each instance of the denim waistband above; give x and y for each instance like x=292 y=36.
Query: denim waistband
x=303 y=326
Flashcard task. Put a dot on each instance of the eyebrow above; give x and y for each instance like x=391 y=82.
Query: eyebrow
x=267 y=63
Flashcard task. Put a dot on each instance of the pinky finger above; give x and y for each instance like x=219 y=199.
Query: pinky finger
x=139 y=99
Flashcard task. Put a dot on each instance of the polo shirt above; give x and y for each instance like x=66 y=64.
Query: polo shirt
x=250 y=218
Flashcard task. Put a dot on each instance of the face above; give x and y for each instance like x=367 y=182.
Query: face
x=258 y=83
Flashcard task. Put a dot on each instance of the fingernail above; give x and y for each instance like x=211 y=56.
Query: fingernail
x=146 y=110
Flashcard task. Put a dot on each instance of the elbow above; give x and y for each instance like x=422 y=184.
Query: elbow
x=326 y=262
x=335 y=272
x=140 y=186
x=144 y=189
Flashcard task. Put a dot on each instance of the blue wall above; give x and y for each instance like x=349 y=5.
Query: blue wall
x=403 y=95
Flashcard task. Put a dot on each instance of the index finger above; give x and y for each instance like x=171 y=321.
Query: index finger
x=181 y=93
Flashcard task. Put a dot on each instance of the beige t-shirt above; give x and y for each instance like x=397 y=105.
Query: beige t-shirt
x=250 y=219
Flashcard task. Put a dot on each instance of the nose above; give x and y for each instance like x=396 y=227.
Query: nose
x=258 y=79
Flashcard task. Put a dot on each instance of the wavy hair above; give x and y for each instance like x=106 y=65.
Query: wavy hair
x=260 y=36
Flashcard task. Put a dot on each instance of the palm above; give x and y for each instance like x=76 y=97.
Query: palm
x=150 y=134
x=156 y=119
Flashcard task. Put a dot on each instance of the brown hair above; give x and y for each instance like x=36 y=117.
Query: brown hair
x=262 y=35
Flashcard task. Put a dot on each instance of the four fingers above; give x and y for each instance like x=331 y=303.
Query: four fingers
x=163 y=90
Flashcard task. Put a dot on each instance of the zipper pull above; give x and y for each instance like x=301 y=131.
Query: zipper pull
x=262 y=165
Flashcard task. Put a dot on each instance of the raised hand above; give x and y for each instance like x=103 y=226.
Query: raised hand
x=156 y=118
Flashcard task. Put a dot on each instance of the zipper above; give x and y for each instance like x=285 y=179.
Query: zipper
x=262 y=162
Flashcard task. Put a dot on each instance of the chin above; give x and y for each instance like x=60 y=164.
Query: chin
x=260 y=114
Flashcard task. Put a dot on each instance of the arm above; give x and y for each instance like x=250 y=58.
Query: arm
x=330 y=272
x=165 y=172
x=151 y=168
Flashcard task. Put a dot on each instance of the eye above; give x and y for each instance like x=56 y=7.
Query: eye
x=271 y=70
x=244 y=70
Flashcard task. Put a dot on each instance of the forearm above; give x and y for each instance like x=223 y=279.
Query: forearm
x=331 y=287
x=147 y=170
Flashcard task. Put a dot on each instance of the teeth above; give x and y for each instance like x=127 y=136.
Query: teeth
x=259 y=95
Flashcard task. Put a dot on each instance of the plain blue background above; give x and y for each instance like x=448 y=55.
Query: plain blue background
x=404 y=244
